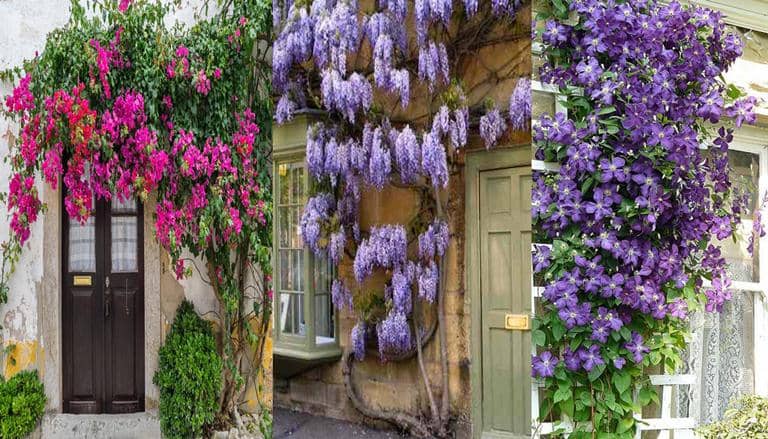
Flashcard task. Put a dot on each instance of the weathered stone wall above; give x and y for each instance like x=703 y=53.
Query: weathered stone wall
x=490 y=73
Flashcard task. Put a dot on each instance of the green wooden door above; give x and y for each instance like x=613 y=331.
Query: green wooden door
x=505 y=288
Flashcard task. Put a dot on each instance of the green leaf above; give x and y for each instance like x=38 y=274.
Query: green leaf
x=622 y=381
x=562 y=394
x=558 y=329
x=596 y=372
x=625 y=424
x=539 y=337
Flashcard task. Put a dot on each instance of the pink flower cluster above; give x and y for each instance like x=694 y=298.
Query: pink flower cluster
x=207 y=189
x=21 y=100
x=211 y=173
x=24 y=204
x=106 y=57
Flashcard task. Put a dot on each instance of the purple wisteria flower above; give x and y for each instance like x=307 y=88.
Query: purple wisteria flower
x=401 y=291
x=408 y=155
x=428 y=282
x=380 y=164
x=434 y=162
x=492 y=127
x=357 y=340
x=316 y=213
x=520 y=103
x=434 y=241
x=394 y=335
x=340 y=295
x=386 y=248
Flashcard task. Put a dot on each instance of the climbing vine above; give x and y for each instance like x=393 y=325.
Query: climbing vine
x=631 y=221
x=118 y=105
x=371 y=136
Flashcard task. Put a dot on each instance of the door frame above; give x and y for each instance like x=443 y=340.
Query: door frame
x=477 y=162
x=105 y=387
x=50 y=294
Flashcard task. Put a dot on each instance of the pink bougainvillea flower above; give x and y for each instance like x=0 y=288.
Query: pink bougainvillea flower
x=124 y=5
x=202 y=83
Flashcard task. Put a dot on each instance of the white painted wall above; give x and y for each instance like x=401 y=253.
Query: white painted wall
x=25 y=24
x=23 y=29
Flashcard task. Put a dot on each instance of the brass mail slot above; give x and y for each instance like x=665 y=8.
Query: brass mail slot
x=517 y=322
x=83 y=281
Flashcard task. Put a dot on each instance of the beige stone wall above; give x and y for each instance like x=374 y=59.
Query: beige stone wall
x=490 y=73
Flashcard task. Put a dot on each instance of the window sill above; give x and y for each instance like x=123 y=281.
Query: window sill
x=289 y=362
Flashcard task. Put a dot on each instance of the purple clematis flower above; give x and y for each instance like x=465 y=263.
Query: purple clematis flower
x=591 y=357
x=636 y=347
x=544 y=365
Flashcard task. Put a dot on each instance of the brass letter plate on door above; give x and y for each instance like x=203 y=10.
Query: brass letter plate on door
x=83 y=281
x=516 y=322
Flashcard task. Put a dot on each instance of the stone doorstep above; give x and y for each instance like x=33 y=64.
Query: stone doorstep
x=144 y=425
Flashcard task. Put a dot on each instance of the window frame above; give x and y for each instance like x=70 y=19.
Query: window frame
x=289 y=146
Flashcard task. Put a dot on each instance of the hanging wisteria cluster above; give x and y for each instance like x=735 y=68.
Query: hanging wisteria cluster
x=358 y=148
x=631 y=221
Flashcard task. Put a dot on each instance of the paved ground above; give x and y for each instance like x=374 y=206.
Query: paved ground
x=294 y=425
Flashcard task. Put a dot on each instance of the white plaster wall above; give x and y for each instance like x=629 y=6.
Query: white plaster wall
x=25 y=24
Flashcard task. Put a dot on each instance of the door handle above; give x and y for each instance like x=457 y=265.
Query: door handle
x=107 y=298
x=517 y=322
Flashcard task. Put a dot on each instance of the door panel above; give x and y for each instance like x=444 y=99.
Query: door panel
x=505 y=286
x=103 y=311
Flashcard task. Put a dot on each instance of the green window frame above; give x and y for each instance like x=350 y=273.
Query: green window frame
x=306 y=325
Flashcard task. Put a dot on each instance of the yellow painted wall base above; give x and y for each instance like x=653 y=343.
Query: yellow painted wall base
x=20 y=355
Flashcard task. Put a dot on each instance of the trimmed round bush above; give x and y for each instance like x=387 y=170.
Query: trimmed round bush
x=189 y=376
x=22 y=402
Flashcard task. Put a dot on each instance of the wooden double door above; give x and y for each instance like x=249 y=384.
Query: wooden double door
x=103 y=310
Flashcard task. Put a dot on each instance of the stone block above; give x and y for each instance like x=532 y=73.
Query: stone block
x=308 y=391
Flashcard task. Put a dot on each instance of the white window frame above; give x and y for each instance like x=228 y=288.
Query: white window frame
x=754 y=140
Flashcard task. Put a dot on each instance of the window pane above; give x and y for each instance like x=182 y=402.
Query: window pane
x=543 y=102
x=323 y=319
x=721 y=355
x=283 y=180
x=292 y=314
x=298 y=184
x=324 y=323
x=127 y=206
x=82 y=246
x=745 y=171
x=124 y=244
x=291 y=270
x=290 y=248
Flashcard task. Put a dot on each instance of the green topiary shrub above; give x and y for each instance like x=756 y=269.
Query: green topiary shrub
x=189 y=376
x=22 y=402
x=746 y=418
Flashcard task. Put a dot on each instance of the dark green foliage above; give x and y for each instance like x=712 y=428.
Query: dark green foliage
x=22 y=402
x=189 y=376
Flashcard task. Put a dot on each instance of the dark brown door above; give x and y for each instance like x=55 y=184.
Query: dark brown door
x=103 y=310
